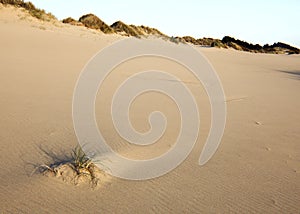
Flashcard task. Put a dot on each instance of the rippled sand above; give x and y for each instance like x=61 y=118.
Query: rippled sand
x=256 y=168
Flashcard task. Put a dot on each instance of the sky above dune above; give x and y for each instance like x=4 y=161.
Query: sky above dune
x=254 y=21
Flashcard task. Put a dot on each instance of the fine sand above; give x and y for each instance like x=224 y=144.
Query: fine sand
x=255 y=169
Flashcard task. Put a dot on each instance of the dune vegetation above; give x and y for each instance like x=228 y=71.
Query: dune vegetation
x=119 y=27
x=35 y=12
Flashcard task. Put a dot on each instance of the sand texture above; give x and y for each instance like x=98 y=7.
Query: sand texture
x=255 y=170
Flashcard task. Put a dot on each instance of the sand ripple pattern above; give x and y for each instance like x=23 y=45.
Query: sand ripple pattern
x=93 y=75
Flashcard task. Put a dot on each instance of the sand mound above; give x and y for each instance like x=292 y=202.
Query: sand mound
x=75 y=168
x=68 y=173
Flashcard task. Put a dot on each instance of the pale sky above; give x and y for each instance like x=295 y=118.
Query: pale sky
x=255 y=21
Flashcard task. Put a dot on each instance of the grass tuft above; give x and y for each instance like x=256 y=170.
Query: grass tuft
x=72 y=21
x=75 y=168
x=81 y=160
x=93 y=22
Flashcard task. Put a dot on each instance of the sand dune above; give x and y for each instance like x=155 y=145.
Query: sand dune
x=256 y=168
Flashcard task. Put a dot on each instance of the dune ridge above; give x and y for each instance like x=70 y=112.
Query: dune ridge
x=119 y=27
x=227 y=41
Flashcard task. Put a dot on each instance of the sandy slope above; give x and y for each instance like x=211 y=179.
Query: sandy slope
x=256 y=168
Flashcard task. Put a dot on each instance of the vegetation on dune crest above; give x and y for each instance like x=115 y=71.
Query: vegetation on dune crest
x=230 y=42
x=217 y=43
x=72 y=21
x=276 y=48
x=93 y=22
x=35 y=12
x=279 y=46
x=151 y=31
x=126 y=30
x=137 y=31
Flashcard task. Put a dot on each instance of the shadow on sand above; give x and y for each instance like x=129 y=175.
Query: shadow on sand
x=292 y=74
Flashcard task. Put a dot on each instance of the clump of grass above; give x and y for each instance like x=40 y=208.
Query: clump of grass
x=175 y=40
x=71 y=21
x=218 y=44
x=191 y=40
x=151 y=31
x=42 y=28
x=76 y=168
x=93 y=22
x=12 y=2
x=68 y=20
x=81 y=160
x=126 y=29
x=35 y=12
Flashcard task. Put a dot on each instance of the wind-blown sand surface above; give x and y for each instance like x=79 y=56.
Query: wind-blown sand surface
x=256 y=168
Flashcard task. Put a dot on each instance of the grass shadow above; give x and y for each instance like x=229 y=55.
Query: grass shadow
x=294 y=74
x=49 y=157
x=70 y=166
